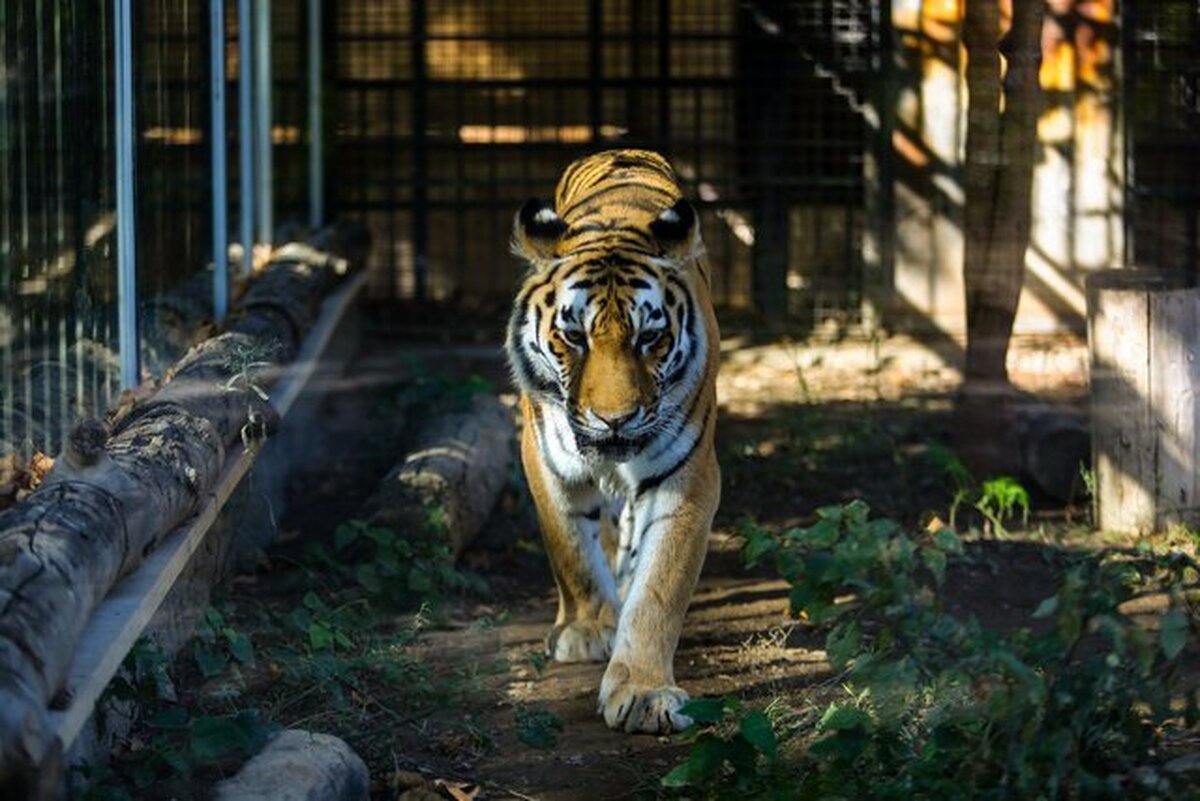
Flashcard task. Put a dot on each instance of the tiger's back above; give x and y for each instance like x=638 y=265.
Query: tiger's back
x=614 y=345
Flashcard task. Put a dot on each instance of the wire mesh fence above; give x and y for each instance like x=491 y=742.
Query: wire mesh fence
x=1162 y=67
x=784 y=119
x=58 y=284
x=450 y=114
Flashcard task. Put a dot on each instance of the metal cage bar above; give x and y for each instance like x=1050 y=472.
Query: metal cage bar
x=125 y=129
x=220 y=160
x=264 y=167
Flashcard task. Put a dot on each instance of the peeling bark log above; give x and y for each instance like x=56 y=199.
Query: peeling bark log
x=460 y=463
x=111 y=499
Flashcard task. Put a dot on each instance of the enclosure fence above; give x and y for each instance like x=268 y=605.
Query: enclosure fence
x=1161 y=45
x=433 y=120
x=450 y=114
x=116 y=198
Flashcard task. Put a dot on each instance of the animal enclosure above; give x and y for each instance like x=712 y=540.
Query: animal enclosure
x=259 y=442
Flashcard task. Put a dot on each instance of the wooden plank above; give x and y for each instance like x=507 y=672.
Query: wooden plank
x=1173 y=382
x=1123 y=430
x=123 y=615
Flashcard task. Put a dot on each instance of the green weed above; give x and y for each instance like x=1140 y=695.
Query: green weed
x=937 y=707
x=729 y=743
x=998 y=500
x=392 y=571
x=177 y=739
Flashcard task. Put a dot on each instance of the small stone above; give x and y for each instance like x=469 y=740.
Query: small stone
x=299 y=765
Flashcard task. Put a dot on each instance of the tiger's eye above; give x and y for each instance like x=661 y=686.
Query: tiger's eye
x=649 y=338
x=575 y=337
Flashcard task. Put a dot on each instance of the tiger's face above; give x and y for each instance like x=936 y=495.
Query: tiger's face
x=605 y=334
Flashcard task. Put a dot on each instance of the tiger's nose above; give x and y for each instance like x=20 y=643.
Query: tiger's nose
x=615 y=421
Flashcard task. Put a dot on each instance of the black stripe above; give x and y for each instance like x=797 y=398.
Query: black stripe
x=650 y=483
x=546 y=459
x=629 y=186
x=652 y=524
x=530 y=375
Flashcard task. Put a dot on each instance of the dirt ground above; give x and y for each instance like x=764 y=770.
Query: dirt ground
x=802 y=425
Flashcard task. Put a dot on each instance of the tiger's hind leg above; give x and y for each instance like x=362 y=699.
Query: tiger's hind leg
x=570 y=520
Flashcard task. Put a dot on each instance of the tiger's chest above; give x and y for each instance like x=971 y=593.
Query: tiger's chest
x=563 y=457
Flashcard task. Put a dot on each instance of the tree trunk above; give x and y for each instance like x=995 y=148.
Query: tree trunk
x=1000 y=154
x=111 y=499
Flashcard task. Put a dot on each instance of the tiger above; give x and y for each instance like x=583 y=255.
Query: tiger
x=614 y=347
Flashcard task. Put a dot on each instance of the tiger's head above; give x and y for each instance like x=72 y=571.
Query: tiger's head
x=606 y=325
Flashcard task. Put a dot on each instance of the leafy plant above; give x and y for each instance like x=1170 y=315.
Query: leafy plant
x=245 y=363
x=729 y=742
x=937 y=707
x=177 y=739
x=391 y=570
x=1000 y=499
x=217 y=642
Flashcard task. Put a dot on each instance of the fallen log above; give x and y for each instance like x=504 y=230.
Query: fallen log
x=119 y=488
x=459 y=463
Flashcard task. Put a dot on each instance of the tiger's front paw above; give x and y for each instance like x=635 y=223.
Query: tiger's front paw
x=634 y=707
x=581 y=641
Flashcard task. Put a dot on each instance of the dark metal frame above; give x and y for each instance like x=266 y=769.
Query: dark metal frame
x=443 y=205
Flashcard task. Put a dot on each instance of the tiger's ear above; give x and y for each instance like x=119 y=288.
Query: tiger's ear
x=536 y=230
x=678 y=233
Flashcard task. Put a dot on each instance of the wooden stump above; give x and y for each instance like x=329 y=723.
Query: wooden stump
x=460 y=463
x=1142 y=330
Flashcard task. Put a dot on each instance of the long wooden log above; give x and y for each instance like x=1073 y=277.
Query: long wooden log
x=459 y=463
x=111 y=499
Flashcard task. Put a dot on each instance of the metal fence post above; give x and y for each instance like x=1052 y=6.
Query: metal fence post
x=246 y=131
x=220 y=160
x=127 y=318
x=262 y=101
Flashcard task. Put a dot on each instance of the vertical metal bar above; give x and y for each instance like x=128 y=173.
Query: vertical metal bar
x=61 y=391
x=420 y=209
x=220 y=159
x=595 y=67
x=316 y=174
x=9 y=313
x=246 y=131
x=262 y=113
x=127 y=333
